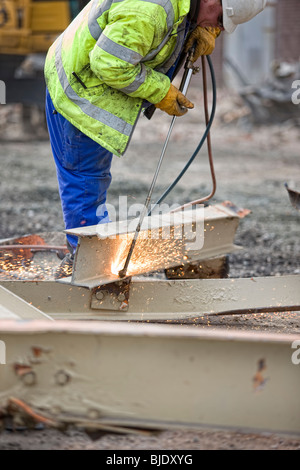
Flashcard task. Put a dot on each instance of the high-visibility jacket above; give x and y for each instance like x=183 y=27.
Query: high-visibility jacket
x=113 y=56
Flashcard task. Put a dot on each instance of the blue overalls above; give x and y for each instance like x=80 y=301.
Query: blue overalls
x=83 y=173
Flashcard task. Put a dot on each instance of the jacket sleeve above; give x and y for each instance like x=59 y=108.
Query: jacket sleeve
x=117 y=58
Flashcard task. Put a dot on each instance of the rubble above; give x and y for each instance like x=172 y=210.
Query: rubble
x=271 y=101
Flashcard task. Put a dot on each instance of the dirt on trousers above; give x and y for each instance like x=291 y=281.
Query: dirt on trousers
x=252 y=164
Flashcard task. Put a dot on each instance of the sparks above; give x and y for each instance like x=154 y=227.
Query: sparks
x=148 y=255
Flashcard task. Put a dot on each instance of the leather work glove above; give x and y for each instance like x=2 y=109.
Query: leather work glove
x=174 y=103
x=204 y=39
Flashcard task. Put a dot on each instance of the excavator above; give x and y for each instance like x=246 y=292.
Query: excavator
x=27 y=29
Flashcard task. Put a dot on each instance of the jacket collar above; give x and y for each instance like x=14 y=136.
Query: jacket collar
x=193 y=13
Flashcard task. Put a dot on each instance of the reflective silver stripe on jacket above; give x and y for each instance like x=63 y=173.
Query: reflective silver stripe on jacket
x=168 y=7
x=137 y=82
x=163 y=68
x=117 y=50
x=96 y=32
x=122 y=52
x=95 y=12
x=89 y=109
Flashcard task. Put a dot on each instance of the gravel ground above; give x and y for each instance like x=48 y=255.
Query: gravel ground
x=252 y=164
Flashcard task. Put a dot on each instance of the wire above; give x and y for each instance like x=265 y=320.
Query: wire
x=205 y=134
x=210 y=156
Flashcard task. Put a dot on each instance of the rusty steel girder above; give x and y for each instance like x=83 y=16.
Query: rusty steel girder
x=120 y=377
x=149 y=299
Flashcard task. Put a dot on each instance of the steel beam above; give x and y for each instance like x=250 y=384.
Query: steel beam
x=157 y=299
x=99 y=374
x=165 y=240
x=14 y=307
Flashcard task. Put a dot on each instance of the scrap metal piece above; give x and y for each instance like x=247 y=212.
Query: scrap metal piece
x=154 y=376
x=240 y=211
x=16 y=405
x=29 y=244
x=31 y=257
x=165 y=240
x=294 y=197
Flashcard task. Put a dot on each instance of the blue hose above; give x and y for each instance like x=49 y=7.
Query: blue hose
x=212 y=115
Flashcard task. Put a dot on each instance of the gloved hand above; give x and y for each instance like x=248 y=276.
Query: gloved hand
x=174 y=103
x=204 y=39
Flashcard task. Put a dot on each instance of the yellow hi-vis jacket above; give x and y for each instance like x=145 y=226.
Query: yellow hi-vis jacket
x=113 y=56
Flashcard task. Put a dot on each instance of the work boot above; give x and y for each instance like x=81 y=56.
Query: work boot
x=65 y=268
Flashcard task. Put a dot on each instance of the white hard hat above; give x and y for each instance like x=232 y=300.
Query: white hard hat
x=240 y=11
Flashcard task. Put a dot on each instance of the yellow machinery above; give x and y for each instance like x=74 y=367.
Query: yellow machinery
x=27 y=29
x=28 y=26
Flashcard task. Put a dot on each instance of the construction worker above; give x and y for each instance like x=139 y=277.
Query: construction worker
x=114 y=59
